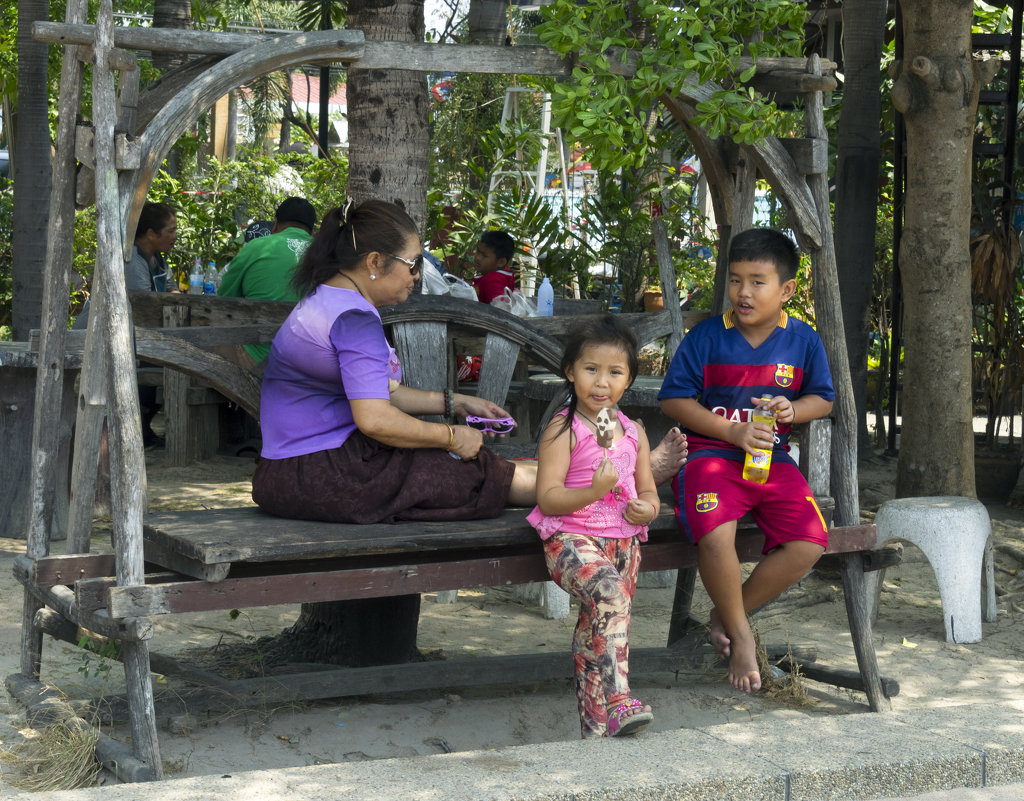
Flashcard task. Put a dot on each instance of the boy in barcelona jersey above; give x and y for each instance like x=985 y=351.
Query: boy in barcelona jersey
x=716 y=379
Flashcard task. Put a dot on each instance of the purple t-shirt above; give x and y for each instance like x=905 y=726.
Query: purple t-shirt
x=330 y=348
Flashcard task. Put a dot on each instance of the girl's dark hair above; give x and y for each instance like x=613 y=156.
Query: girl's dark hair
x=154 y=216
x=605 y=329
x=346 y=235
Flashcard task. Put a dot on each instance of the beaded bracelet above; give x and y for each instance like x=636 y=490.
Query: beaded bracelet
x=449 y=402
x=451 y=437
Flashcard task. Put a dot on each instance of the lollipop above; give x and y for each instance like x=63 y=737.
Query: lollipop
x=605 y=433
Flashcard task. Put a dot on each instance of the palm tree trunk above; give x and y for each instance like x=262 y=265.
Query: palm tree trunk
x=859 y=152
x=387 y=113
x=175 y=14
x=30 y=155
x=388 y=148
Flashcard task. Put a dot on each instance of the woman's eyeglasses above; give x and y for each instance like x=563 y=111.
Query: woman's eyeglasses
x=495 y=425
x=415 y=265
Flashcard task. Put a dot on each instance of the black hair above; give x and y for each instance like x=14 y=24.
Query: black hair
x=346 y=235
x=766 y=244
x=154 y=217
x=501 y=242
x=604 y=329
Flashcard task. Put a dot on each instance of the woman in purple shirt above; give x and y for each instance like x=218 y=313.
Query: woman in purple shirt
x=340 y=439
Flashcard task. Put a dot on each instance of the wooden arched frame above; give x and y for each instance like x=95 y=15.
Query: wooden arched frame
x=773 y=161
x=805 y=197
x=184 y=108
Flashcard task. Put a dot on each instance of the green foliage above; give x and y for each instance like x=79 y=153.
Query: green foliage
x=460 y=125
x=311 y=13
x=213 y=209
x=538 y=225
x=9 y=50
x=95 y=659
x=6 y=256
x=213 y=206
x=611 y=114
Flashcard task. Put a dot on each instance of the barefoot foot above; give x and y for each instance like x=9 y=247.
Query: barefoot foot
x=719 y=639
x=669 y=456
x=744 y=673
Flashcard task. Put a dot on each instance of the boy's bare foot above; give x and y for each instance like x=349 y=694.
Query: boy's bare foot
x=669 y=456
x=744 y=673
x=719 y=639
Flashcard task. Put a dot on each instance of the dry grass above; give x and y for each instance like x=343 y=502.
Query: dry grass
x=787 y=688
x=60 y=758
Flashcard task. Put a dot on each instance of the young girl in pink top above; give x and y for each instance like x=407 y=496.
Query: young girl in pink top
x=595 y=497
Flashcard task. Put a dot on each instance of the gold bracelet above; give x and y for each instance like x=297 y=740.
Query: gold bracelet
x=451 y=437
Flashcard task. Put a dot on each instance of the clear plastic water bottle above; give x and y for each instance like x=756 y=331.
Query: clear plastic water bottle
x=757 y=465
x=195 y=279
x=210 y=279
x=545 y=299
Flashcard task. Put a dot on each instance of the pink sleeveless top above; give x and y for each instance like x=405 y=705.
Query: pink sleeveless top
x=603 y=517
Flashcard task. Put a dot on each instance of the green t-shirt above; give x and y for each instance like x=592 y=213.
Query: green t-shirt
x=263 y=269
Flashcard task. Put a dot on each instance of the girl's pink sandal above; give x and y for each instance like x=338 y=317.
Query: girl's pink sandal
x=623 y=720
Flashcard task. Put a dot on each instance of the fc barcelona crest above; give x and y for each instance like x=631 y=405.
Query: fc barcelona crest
x=707 y=501
x=784 y=375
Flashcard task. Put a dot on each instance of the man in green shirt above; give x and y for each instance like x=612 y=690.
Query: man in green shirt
x=263 y=267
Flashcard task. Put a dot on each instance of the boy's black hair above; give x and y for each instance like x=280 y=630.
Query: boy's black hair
x=766 y=244
x=502 y=243
x=604 y=329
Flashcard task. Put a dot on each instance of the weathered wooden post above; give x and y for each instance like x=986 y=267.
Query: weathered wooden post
x=127 y=462
x=829 y=312
x=50 y=366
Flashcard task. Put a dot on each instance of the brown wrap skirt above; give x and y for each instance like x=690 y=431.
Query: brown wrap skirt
x=364 y=481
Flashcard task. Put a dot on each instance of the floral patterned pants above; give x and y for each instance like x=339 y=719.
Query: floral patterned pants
x=600 y=572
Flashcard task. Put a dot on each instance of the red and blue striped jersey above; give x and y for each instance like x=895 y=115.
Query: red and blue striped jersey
x=716 y=365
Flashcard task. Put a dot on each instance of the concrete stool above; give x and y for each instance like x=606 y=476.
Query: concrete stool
x=545 y=594
x=953 y=533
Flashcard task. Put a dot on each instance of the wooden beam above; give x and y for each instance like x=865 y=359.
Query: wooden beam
x=314 y=587
x=781 y=72
x=50 y=571
x=156 y=40
x=809 y=155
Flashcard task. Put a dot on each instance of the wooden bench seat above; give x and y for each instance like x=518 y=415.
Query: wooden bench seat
x=242 y=557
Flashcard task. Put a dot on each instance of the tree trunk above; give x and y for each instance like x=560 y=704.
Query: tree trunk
x=360 y=633
x=936 y=89
x=388 y=147
x=32 y=176
x=387 y=112
x=174 y=14
x=177 y=15
x=857 y=187
x=487 y=22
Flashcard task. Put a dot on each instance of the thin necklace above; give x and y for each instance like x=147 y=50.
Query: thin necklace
x=353 y=280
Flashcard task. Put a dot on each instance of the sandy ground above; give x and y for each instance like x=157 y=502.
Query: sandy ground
x=909 y=638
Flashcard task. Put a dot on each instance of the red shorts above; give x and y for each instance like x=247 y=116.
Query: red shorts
x=714 y=492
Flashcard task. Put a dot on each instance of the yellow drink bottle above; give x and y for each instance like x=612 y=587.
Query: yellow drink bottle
x=757 y=464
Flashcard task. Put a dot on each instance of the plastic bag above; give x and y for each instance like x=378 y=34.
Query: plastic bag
x=433 y=280
x=514 y=302
x=458 y=288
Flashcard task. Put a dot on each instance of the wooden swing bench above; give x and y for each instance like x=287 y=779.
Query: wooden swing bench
x=222 y=559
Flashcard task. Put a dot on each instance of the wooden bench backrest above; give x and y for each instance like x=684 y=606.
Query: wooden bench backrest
x=421 y=329
x=422 y=333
